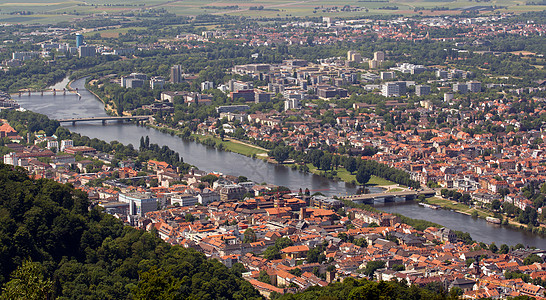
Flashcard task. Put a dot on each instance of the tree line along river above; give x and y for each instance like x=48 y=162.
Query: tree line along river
x=210 y=159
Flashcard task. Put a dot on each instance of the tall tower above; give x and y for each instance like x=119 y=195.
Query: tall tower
x=379 y=56
x=79 y=40
x=176 y=74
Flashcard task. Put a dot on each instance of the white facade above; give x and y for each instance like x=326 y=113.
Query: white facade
x=291 y=104
x=184 y=200
x=207 y=85
x=157 y=82
x=66 y=144
x=10 y=159
x=52 y=144
x=208 y=196
x=390 y=89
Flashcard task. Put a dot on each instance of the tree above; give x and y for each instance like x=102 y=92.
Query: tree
x=362 y=175
x=316 y=255
x=504 y=249
x=209 y=178
x=249 y=236
x=280 y=153
x=350 y=164
x=28 y=283
x=264 y=277
x=372 y=266
x=496 y=205
x=493 y=248
x=189 y=218
x=531 y=259
x=238 y=268
x=296 y=272
x=326 y=162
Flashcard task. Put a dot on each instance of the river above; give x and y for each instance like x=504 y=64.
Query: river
x=210 y=159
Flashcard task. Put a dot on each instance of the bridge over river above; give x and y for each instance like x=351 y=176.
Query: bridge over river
x=105 y=119
x=390 y=196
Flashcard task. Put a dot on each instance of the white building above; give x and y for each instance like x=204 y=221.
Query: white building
x=52 y=144
x=157 y=82
x=184 y=200
x=10 y=159
x=66 y=144
x=390 y=89
x=208 y=196
x=291 y=104
x=207 y=85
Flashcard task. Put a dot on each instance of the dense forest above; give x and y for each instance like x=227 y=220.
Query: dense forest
x=363 y=289
x=53 y=246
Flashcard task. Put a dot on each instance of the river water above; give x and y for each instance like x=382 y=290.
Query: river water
x=210 y=159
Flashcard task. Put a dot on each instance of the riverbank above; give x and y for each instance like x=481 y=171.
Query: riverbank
x=482 y=214
x=228 y=144
x=253 y=151
x=110 y=109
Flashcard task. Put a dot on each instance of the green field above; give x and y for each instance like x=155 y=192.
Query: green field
x=49 y=11
x=347 y=177
x=458 y=207
x=112 y=33
x=233 y=147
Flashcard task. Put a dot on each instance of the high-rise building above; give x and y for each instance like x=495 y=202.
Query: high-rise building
x=442 y=74
x=79 y=40
x=87 y=51
x=421 y=90
x=474 y=86
x=402 y=87
x=460 y=88
x=291 y=104
x=176 y=74
x=390 y=89
x=379 y=56
x=354 y=56
x=374 y=64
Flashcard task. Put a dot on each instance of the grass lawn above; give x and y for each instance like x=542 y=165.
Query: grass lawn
x=347 y=177
x=233 y=147
x=458 y=206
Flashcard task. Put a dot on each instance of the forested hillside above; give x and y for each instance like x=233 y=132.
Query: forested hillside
x=352 y=289
x=52 y=246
